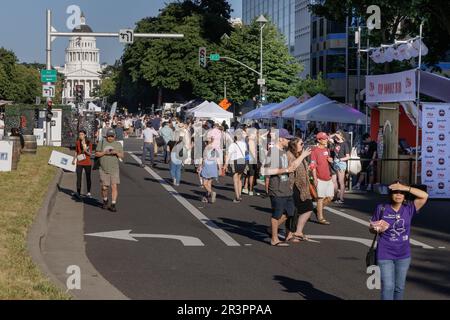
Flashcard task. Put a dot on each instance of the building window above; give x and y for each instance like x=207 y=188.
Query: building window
x=314 y=33
x=321 y=64
x=314 y=67
x=335 y=64
x=321 y=22
x=335 y=27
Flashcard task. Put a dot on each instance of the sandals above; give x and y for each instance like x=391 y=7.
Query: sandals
x=280 y=244
x=301 y=237
x=323 y=221
x=294 y=239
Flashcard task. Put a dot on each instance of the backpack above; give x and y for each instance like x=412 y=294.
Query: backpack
x=354 y=165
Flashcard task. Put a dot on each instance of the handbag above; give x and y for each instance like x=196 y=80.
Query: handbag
x=160 y=141
x=371 y=257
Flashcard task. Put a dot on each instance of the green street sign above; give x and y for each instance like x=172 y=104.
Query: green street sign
x=214 y=57
x=48 y=76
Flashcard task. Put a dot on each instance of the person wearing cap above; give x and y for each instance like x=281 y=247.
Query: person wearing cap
x=109 y=151
x=149 y=135
x=277 y=168
x=320 y=166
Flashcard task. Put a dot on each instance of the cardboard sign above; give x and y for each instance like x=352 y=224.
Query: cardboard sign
x=6 y=149
x=62 y=160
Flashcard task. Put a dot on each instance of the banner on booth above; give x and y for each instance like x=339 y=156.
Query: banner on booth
x=395 y=87
x=436 y=149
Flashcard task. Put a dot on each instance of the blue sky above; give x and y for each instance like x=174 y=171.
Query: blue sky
x=22 y=24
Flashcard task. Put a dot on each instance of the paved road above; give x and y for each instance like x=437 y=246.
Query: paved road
x=225 y=252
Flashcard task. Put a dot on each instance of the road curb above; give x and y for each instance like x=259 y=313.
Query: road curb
x=39 y=229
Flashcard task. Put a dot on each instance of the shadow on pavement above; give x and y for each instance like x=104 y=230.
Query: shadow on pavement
x=251 y=230
x=304 y=289
x=88 y=201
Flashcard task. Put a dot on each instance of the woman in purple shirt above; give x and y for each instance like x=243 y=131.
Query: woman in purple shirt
x=393 y=224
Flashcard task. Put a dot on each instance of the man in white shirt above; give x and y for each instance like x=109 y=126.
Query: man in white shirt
x=149 y=135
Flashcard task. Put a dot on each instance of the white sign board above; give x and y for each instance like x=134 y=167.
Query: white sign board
x=261 y=82
x=126 y=36
x=436 y=149
x=6 y=149
x=395 y=87
x=39 y=133
x=62 y=160
x=113 y=109
x=48 y=91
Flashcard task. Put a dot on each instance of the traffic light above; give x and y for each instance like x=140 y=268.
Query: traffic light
x=79 y=93
x=263 y=93
x=202 y=57
x=49 y=113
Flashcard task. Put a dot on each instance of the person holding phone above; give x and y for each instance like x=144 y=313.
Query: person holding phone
x=82 y=158
x=393 y=224
x=110 y=152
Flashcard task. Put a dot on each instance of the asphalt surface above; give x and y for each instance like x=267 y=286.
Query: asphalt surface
x=235 y=260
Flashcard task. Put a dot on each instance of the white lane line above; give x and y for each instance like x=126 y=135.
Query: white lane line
x=366 y=223
x=221 y=234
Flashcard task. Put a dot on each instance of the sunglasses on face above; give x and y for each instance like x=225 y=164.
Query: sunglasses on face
x=398 y=192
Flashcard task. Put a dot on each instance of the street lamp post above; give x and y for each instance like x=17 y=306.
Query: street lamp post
x=262 y=20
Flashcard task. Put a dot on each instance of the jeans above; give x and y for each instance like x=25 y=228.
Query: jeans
x=148 y=147
x=393 y=278
x=175 y=171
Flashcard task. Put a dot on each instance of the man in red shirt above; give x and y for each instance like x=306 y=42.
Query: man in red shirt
x=320 y=165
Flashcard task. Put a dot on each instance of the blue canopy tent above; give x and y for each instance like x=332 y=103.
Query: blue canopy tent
x=310 y=103
x=332 y=112
x=252 y=115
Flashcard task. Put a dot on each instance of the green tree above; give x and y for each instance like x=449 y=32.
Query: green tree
x=313 y=86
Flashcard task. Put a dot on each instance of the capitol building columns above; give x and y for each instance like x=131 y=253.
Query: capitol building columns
x=82 y=65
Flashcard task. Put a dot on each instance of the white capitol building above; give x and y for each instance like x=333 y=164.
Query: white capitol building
x=82 y=65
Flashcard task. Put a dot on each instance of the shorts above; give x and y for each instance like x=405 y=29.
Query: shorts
x=340 y=165
x=302 y=206
x=108 y=179
x=282 y=205
x=252 y=170
x=238 y=168
x=325 y=189
x=370 y=170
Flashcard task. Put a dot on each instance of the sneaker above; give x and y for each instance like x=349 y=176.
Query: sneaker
x=236 y=200
x=174 y=182
x=339 y=201
x=113 y=208
x=89 y=195
x=251 y=194
x=205 y=200
x=356 y=187
x=105 y=204
x=369 y=187
x=245 y=191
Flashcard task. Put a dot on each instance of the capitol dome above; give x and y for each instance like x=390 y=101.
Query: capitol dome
x=83 y=27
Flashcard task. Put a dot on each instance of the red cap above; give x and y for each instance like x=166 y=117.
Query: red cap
x=322 y=135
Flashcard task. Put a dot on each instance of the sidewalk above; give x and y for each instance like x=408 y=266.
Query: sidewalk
x=64 y=246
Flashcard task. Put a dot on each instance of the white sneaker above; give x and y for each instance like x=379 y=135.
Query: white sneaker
x=251 y=193
x=174 y=181
x=245 y=191
x=89 y=195
x=369 y=187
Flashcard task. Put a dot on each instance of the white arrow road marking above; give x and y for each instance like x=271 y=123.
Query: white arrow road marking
x=366 y=223
x=127 y=235
x=221 y=234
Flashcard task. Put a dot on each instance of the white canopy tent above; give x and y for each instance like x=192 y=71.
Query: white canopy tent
x=308 y=104
x=204 y=103
x=93 y=107
x=254 y=114
x=211 y=111
x=331 y=112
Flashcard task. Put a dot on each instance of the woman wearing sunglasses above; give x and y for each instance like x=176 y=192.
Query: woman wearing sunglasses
x=393 y=224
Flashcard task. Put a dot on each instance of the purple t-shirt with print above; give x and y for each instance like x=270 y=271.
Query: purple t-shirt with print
x=393 y=244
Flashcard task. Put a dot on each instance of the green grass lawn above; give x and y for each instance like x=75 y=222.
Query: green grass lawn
x=22 y=194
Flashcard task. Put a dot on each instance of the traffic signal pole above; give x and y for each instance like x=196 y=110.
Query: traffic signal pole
x=52 y=34
x=48 y=124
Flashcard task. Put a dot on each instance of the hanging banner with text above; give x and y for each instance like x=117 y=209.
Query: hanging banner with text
x=436 y=149
x=394 y=87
